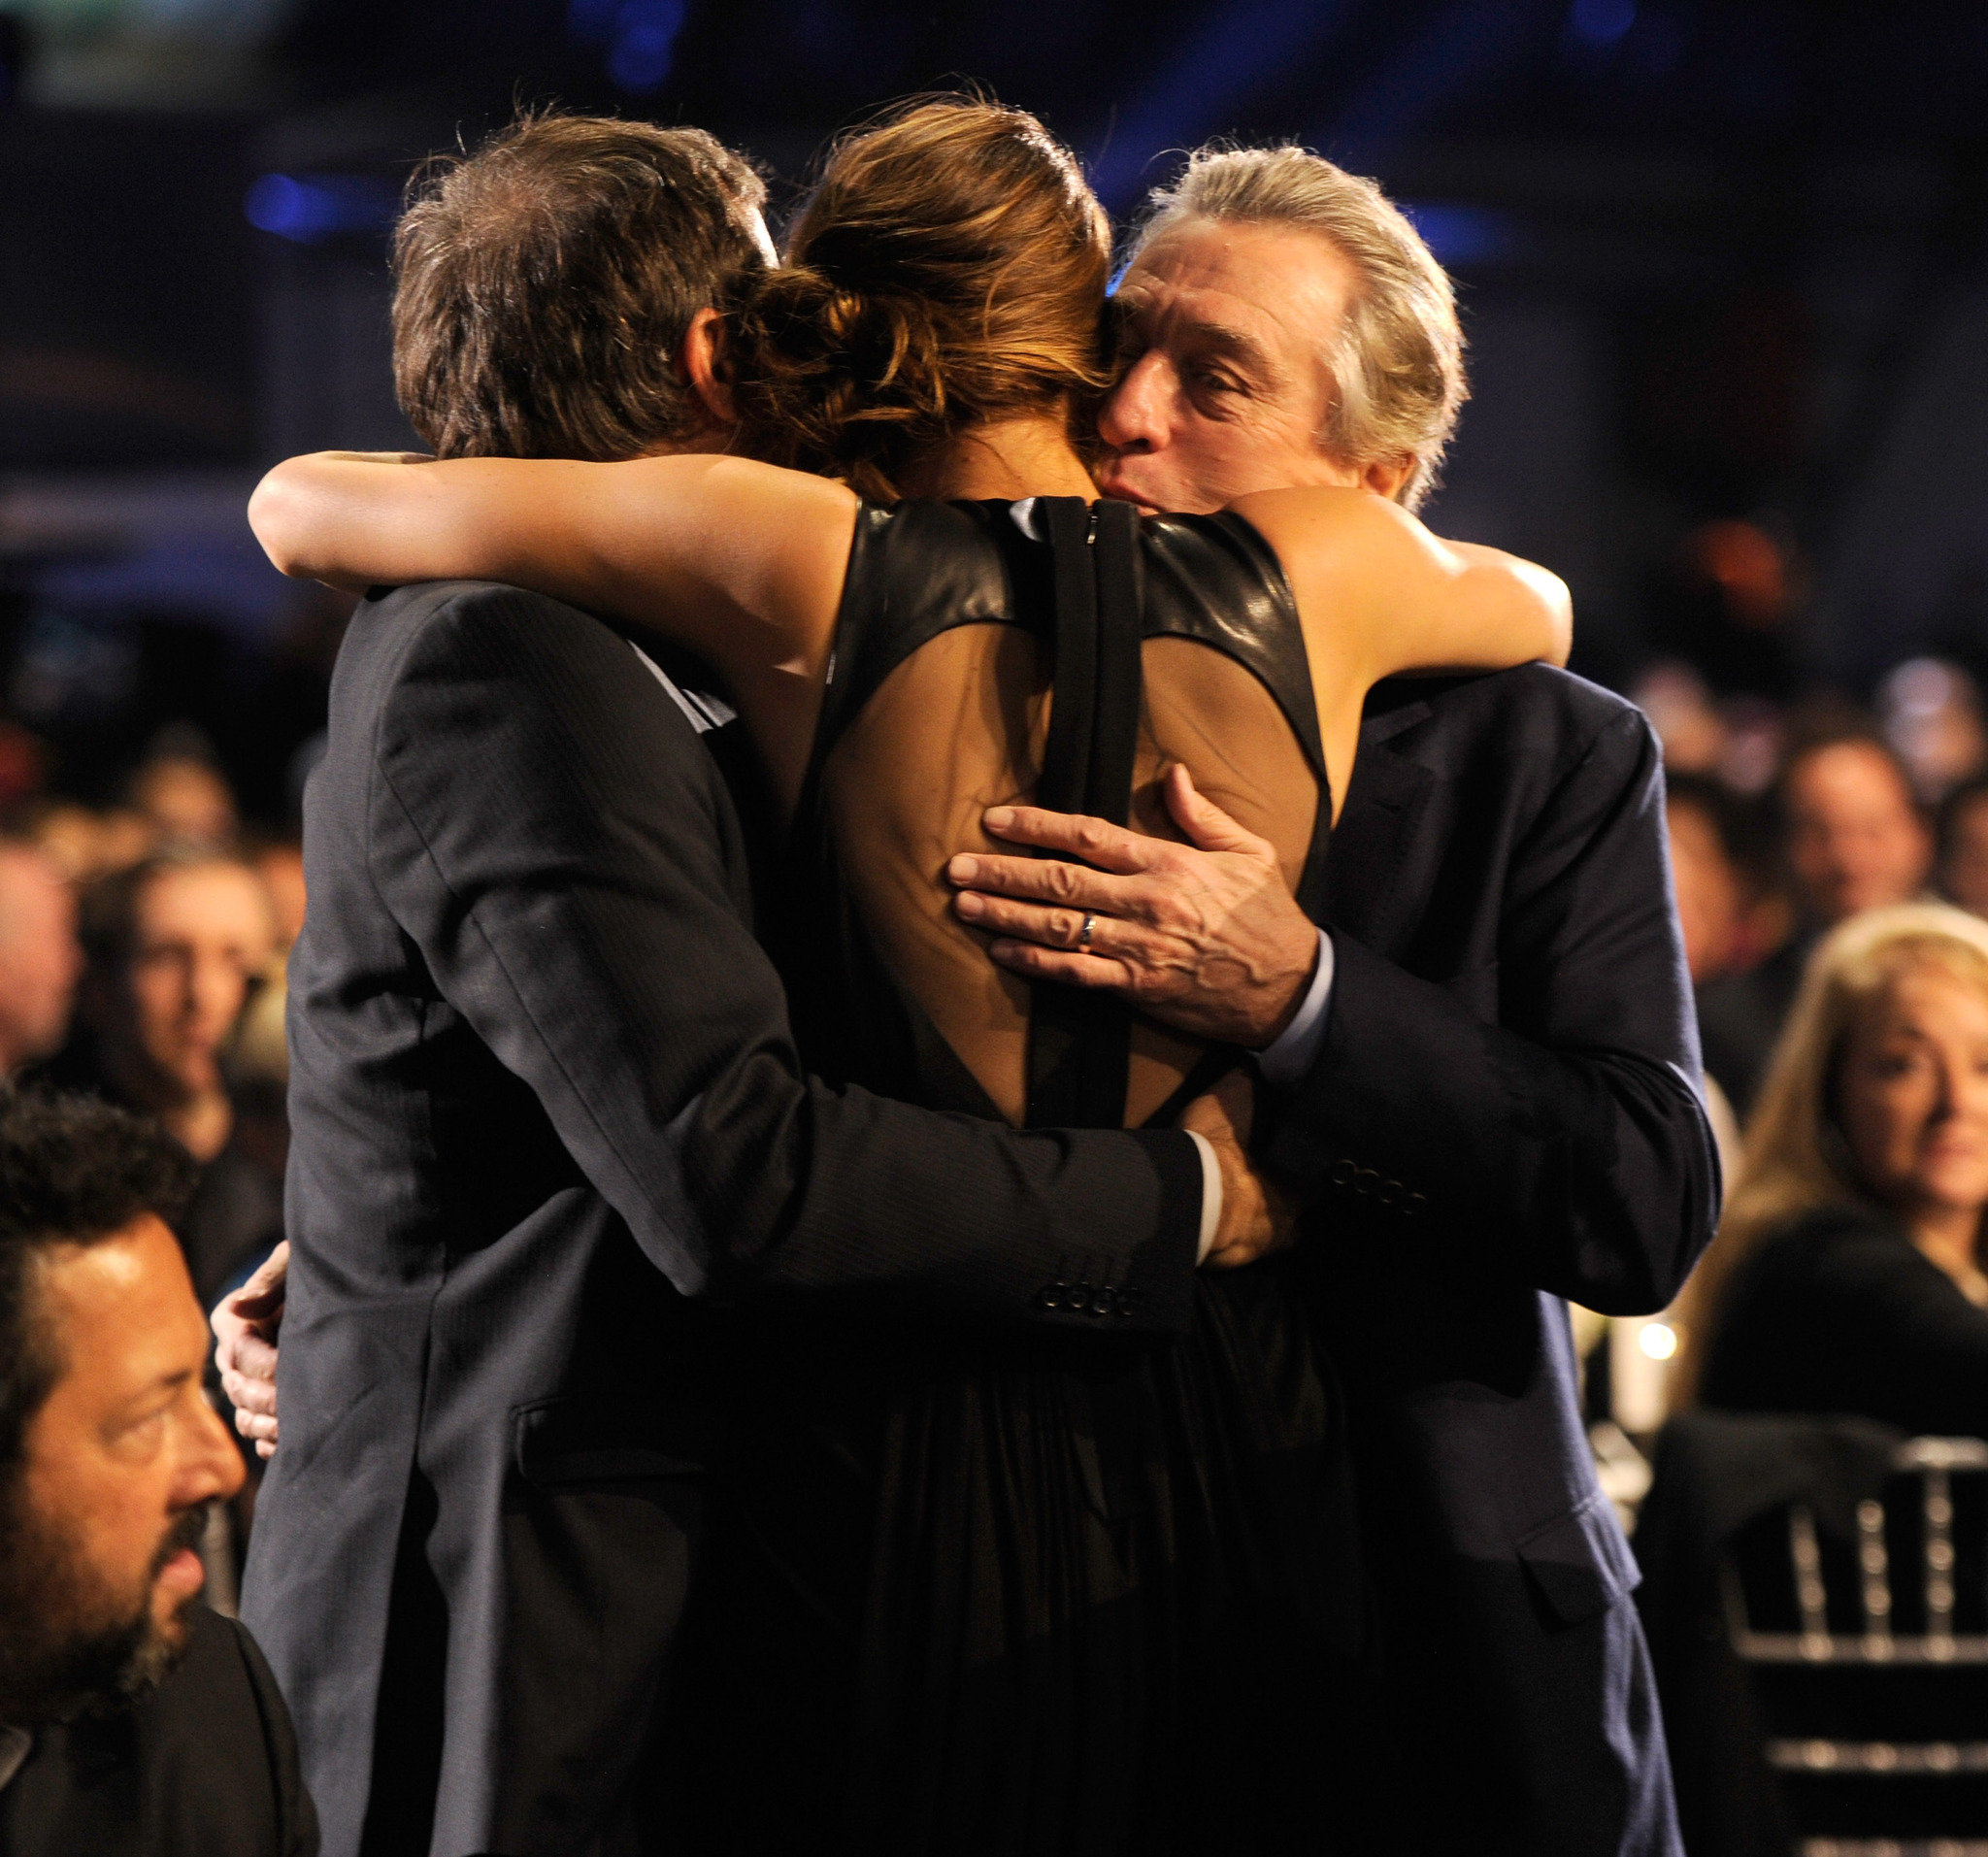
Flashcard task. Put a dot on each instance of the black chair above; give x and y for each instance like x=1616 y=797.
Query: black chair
x=1815 y=1596
x=1867 y=1658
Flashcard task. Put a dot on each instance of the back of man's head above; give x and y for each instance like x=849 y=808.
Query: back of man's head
x=545 y=285
x=1397 y=359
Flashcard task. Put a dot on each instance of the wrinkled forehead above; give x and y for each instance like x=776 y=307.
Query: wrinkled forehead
x=1282 y=286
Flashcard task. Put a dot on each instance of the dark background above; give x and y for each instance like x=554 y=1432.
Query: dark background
x=1722 y=268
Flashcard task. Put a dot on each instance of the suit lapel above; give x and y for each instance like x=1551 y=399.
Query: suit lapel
x=1370 y=844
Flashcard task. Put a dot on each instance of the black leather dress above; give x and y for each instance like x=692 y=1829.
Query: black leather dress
x=1083 y=1593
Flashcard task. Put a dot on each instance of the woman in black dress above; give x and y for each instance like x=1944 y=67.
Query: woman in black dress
x=982 y=1594
x=1848 y=1275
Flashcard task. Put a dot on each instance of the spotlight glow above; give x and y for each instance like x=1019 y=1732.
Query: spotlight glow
x=306 y=208
x=1658 y=1340
x=1601 y=22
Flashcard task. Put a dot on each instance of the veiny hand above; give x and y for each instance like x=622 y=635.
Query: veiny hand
x=1204 y=936
x=1258 y=1217
x=245 y=1332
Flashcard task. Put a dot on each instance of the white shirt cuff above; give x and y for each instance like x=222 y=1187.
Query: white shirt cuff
x=1291 y=1053
x=1210 y=1194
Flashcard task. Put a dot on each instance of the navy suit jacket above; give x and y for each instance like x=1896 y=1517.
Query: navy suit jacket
x=1503 y=1113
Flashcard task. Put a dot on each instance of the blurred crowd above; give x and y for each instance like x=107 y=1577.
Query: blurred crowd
x=1842 y=850
x=142 y=951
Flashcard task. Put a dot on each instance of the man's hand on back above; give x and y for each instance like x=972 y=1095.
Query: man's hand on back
x=246 y=1327
x=1257 y=1216
x=1206 y=937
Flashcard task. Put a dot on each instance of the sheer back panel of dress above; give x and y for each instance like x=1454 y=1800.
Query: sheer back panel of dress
x=924 y=738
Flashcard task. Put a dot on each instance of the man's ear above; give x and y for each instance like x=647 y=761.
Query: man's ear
x=704 y=365
x=1390 y=477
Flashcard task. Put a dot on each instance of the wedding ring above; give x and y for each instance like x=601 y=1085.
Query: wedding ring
x=1083 y=934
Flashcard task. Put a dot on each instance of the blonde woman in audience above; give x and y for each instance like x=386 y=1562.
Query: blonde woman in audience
x=1848 y=1274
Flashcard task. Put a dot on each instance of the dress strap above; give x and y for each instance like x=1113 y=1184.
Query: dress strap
x=1080 y=1042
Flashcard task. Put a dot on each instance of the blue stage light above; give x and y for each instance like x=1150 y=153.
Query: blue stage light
x=308 y=207
x=640 y=37
x=1601 y=23
x=1464 y=235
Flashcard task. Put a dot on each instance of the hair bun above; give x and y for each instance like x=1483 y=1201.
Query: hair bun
x=842 y=381
x=949 y=270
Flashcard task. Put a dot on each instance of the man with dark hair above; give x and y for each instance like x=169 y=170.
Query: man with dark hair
x=132 y=1719
x=1856 y=839
x=549 y=287
x=545 y=1099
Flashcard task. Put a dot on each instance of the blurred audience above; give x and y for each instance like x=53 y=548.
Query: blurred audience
x=280 y=863
x=1848 y=1274
x=1963 y=845
x=1854 y=839
x=1727 y=605
x=1930 y=712
x=85 y=846
x=1716 y=905
x=174 y=946
x=186 y=800
x=40 y=958
x=132 y=1718
x=1712 y=891
x=1690 y=727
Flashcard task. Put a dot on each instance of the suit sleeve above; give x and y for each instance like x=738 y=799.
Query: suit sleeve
x=547 y=831
x=1564 y=1147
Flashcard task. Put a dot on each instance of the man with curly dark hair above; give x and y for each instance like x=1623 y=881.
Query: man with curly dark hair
x=131 y=1717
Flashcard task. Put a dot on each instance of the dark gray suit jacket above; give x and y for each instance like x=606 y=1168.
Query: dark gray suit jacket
x=545 y=1105
x=1504 y=1112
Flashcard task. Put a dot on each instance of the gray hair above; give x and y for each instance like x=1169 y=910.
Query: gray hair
x=1397 y=360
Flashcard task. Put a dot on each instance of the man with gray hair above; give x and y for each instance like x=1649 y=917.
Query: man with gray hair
x=1484 y=1070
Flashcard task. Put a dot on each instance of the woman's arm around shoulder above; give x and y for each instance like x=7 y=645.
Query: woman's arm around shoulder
x=739 y=562
x=1382 y=595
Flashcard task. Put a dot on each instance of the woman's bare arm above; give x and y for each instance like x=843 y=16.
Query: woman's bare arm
x=1378 y=595
x=739 y=562
x=1389 y=597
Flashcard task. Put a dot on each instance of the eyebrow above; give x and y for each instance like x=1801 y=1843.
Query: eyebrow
x=1237 y=343
x=1234 y=342
x=160 y=1383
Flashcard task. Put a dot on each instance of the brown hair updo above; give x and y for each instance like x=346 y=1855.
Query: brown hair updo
x=949 y=268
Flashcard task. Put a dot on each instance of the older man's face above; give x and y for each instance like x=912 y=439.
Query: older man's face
x=1226 y=390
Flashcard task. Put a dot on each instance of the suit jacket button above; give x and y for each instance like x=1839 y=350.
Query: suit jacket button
x=1414 y=1202
x=1365 y=1180
x=1341 y=1172
x=1389 y=1192
x=1051 y=1295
